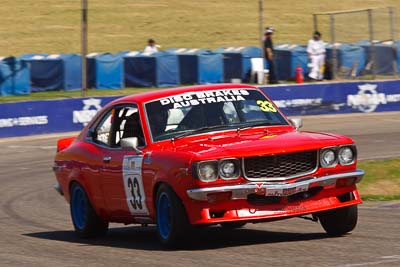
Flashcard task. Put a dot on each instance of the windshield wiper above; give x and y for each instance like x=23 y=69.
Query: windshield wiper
x=199 y=130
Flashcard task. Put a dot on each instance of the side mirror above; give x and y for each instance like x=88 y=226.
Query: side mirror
x=131 y=143
x=91 y=134
x=296 y=122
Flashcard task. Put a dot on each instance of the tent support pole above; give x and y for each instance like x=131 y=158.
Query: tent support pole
x=84 y=42
x=260 y=25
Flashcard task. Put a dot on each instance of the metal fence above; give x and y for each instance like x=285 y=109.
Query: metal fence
x=374 y=29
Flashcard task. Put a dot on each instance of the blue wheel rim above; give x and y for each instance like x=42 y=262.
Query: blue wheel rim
x=78 y=207
x=164 y=215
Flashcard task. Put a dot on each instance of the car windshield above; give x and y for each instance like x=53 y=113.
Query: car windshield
x=199 y=112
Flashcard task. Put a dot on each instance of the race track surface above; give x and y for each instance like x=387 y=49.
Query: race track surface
x=36 y=229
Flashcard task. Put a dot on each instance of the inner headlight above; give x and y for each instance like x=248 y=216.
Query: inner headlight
x=346 y=155
x=208 y=171
x=328 y=158
x=229 y=169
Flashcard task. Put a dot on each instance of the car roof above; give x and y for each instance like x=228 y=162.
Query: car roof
x=148 y=96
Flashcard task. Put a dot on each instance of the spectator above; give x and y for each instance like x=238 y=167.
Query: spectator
x=316 y=54
x=151 y=46
x=269 y=54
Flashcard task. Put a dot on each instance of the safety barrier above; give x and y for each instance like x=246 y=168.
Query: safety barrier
x=337 y=97
x=51 y=116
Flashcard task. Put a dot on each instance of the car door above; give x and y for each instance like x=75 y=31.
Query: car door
x=121 y=173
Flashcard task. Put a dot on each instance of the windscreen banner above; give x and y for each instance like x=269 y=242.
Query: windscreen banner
x=65 y=115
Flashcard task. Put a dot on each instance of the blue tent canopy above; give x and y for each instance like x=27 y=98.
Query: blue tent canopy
x=287 y=58
x=72 y=71
x=237 y=61
x=383 y=59
x=146 y=69
x=398 y=56
x=105 y=71
x=199 y=66
x=14 y=77
x=54 y=72
x=350 y=56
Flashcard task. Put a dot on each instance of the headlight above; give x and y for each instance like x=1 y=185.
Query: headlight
x=328 y=158
x=229 y=169
x=208 y=171
x=346 y=155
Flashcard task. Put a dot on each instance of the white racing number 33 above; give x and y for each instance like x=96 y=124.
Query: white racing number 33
x=133 y=185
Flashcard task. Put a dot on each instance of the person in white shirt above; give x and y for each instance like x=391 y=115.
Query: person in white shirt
x=151 y=47
x=316 y=54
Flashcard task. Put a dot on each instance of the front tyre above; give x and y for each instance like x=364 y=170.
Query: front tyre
x=86 y=222
x=339 y=221
x=172 y=222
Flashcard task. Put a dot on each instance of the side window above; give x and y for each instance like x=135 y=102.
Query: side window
x=127 y=124
x=103 y=130
x=120 y=122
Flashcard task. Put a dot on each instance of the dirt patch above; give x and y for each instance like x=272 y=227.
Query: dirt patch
x=381 y=187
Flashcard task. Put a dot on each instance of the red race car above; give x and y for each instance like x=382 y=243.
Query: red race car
x=204 y=155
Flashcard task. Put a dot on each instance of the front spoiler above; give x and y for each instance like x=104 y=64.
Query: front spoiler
x=274 y=188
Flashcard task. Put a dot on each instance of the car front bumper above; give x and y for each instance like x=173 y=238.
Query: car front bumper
x=288 y=199
x=274 y=188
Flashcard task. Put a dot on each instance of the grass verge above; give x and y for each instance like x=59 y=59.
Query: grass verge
x=49 y=26
x=381 y=180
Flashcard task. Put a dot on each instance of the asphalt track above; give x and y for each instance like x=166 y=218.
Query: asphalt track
x=36 y=229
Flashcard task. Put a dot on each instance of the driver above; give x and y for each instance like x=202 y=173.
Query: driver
x=158 y=119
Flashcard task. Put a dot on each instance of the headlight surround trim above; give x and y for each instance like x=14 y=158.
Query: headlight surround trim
x=353 y=150
x=323 y=162
x=201 y=169
x=337 y=150
x=236 y=165
x=217 y=166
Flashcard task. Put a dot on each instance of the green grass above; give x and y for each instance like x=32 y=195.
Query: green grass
x=381 y=181
x=49 y=26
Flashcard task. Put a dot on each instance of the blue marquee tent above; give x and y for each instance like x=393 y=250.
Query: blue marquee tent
x=349 y=56
x=287 y=58
x=237 y=61
x=199 y=66
x=105 y=71
x=398 y=56
x=14 y=77
x=383 y=59
x=54 y=72
x=151 y=69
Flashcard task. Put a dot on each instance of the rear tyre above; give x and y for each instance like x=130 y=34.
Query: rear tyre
x=86 y=222
x=339 y=221
x=233 y=225
x=172 y=221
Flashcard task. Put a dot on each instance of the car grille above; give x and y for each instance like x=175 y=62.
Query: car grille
x=280 y=166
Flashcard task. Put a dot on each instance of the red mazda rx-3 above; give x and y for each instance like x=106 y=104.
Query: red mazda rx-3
x=204 y=155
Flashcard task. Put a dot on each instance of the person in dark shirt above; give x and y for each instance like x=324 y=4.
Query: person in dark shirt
x=269 y=54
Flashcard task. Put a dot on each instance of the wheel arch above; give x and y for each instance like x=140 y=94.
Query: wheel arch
x=157 y=187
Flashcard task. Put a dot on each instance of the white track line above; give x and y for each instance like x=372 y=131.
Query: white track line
x=383 y=260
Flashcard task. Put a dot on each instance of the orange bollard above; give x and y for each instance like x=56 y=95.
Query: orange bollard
x=299 y=75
